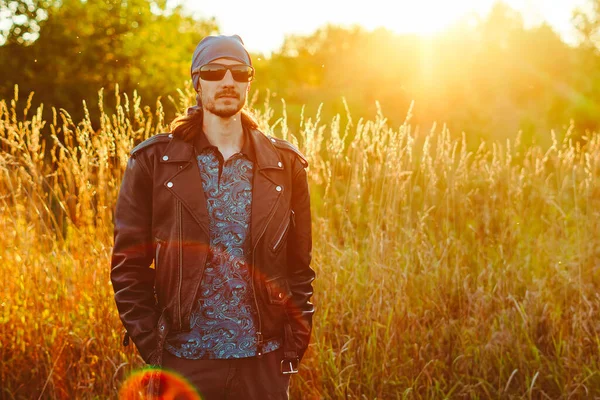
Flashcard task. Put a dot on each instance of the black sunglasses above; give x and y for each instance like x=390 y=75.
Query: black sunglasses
x=216 y=72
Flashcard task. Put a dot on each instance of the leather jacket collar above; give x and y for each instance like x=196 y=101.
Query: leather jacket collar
x=267 y=156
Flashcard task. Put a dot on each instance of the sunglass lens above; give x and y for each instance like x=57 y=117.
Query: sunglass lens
x=212 y=72
x=241 y=73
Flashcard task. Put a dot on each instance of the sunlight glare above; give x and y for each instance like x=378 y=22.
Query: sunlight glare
x=420 y=17
x=261 y=32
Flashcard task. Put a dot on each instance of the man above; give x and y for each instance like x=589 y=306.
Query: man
x=223 y=213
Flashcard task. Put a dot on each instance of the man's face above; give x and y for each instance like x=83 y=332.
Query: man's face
x=226 y=97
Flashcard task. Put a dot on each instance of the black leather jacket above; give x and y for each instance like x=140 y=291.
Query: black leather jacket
x=161 y=241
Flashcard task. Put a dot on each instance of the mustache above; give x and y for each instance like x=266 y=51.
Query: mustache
x=228 y=93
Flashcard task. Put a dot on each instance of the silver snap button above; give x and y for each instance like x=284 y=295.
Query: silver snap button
x=170 y=184
x=273 y=140
x=280 y=164
x=162 y=327
x=278 y=188
x=171 y=135
x=165 y=158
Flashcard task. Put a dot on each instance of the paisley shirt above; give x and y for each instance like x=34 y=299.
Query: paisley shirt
x=223 y=320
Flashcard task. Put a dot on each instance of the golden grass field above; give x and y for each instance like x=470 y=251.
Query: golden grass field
x=442 y=272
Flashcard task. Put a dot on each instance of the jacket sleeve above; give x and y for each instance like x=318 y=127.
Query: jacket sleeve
x=299 y=274
x=131 y=275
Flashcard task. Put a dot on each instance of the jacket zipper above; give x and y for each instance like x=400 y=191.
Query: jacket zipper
x=180 y=259
x=259 y=335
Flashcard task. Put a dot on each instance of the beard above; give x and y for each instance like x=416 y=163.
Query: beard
x=225 y=109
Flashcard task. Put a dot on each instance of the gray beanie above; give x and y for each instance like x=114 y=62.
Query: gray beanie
x=213 y=47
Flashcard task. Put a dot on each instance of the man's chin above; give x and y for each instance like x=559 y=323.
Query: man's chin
x=225 y=112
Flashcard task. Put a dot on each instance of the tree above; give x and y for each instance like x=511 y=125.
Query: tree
x=585 y=93
x=490 y=78
x=587 y=22
x=20 y=20
x=86 y=45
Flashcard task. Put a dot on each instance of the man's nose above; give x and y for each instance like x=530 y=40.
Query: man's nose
x=228 y=79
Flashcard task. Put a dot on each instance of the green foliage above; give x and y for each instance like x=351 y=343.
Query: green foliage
x=20 y=20
x=87 y=45
x=490 y=77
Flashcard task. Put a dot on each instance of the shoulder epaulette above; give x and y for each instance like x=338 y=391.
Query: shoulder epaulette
x=284 y=144
x=158 y=138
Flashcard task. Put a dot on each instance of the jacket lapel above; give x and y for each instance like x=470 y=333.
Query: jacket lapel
x=186 y=184
x=267 y=185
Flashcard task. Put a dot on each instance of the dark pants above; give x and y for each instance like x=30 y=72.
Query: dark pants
x=249 y=378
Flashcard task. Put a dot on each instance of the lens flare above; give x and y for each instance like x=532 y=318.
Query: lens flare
x=172 y=386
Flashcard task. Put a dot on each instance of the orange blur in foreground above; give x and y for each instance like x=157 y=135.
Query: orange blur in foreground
x=172 y=386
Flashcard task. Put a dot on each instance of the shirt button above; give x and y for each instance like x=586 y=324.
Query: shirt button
x=165 y=158
x=170 y=184
x=278 y=188
x=280 y=164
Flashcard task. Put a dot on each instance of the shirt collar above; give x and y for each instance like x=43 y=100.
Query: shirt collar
x=201 y=143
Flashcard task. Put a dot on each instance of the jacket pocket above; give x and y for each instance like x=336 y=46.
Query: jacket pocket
x=160 y=244
x=159 y=249
x=278 y=290
x=163 y=326
x=282 y=231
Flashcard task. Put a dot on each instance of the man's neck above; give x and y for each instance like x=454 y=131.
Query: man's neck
x=225 y=133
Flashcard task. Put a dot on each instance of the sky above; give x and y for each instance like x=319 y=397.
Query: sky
x=263 y=24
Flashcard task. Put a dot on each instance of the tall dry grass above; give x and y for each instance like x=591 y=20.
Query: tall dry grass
x=441 y=272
